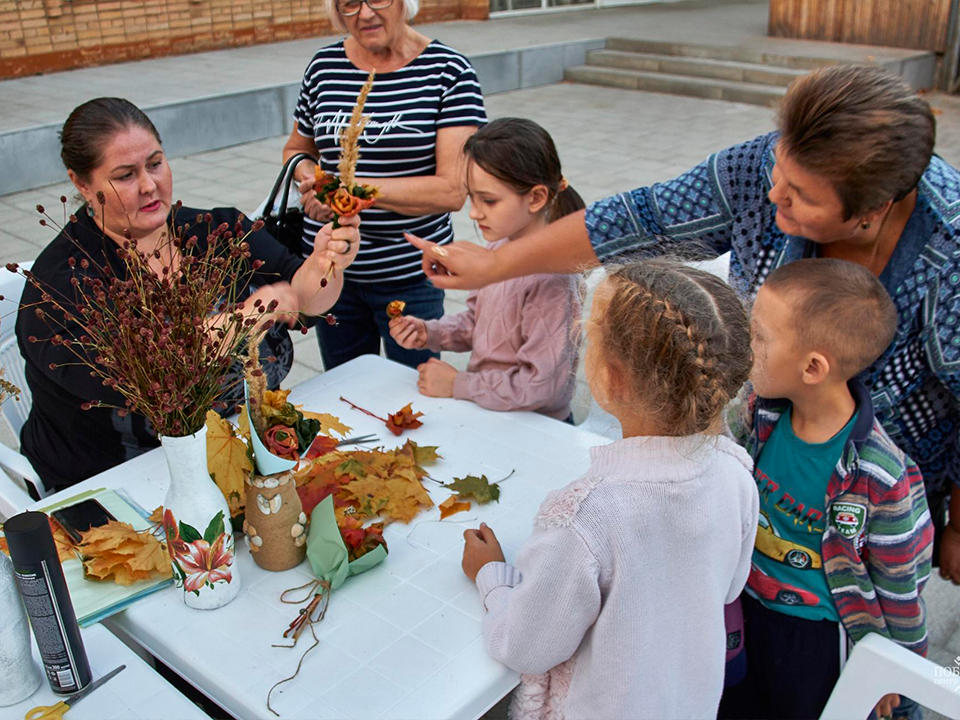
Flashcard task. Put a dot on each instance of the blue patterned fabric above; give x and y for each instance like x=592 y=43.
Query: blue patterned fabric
x=721 y=205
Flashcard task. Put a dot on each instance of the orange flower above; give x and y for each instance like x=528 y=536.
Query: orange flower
x=344 y=204
x=320 y=178
x=175 y=545
x=395 y=308
x=282 y=442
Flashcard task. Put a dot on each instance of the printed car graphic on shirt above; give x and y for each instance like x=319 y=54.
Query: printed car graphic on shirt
x=773 y=546
x=769 y=588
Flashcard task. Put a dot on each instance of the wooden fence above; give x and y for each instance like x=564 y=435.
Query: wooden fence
x=918 y=24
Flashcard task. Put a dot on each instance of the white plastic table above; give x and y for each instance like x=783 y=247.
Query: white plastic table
x=402 y=640
x=137 y=692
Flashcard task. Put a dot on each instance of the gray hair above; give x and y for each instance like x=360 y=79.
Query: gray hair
x=411 y=6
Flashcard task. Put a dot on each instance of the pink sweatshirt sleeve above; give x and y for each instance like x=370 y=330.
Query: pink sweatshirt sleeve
x=453 y=332
x=539 y=611
x=544 y=361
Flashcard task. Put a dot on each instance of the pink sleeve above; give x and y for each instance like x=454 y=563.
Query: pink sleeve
x=453 y=332
x=545 y=360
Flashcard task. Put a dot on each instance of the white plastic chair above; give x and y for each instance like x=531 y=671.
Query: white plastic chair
x=15 y=411
x=11 y=288
x=13 y=498
x=878 y=666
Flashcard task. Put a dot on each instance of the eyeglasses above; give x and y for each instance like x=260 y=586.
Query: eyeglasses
x=349 y=8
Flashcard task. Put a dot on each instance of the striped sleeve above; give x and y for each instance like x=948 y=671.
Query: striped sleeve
x=302 y=112
x=462 y=102
x=898 y=554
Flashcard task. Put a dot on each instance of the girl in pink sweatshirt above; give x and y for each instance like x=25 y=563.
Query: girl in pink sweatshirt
x=615 y=606
x=522 y=333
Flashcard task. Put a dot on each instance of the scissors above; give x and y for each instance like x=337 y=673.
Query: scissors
x=55 y=712
x=358 y=440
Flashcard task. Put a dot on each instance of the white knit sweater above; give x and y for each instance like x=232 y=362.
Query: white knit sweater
x=615 y=607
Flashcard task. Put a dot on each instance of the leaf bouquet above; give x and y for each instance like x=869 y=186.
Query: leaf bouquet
x=341 y=193
x=280 y=433
x=284 y=433
x=343 y=492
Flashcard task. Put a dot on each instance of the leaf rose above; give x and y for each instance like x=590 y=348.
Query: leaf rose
x=344 y=204
x=282 y=442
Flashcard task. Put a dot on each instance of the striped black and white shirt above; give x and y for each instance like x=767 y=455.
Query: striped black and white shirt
x=438 y=89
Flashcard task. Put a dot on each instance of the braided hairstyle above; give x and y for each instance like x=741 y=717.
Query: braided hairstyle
x=682 y=338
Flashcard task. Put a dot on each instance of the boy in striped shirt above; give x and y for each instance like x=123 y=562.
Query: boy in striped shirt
x=844 y=538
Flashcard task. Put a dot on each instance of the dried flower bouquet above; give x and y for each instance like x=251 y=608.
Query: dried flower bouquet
x=165 y=342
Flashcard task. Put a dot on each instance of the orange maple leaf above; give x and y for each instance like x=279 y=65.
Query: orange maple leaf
x=117 y=550
x=227 y=461
x=450 y=506
x=403 y=419
x=367 y=483
x=66 y=548
x=321 y=445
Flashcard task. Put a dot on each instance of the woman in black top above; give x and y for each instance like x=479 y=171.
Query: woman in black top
x=424 y=104
x=109 y=146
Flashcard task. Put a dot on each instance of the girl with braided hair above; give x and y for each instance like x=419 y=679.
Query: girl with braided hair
x=618 y=595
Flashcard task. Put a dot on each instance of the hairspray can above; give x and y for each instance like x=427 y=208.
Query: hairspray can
x=47 y=600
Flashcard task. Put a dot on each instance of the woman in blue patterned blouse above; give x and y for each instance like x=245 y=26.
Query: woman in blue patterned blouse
x=850 y=174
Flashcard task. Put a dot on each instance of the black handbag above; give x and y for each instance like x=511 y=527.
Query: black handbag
x=286 y=225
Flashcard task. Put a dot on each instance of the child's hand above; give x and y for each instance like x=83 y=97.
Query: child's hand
x=409 y=332
x=886 y=705
x=950 y=554
x=479 y=548
x=436 y=378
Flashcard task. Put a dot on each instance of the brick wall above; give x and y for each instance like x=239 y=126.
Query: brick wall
x=45 y=35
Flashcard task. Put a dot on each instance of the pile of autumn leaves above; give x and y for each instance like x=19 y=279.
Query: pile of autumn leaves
x=369 y=483
x=117 y=552
x=113 y=552
x=364 y=483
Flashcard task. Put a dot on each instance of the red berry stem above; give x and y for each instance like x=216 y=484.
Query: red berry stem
x=357 y=407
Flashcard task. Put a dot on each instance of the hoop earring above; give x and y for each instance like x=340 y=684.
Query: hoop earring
x=865 y=225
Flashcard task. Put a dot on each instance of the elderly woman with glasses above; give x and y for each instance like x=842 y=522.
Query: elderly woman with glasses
x=425 y=102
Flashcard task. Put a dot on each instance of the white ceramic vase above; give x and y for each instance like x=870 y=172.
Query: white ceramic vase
x=19 y=674
x=196 y=521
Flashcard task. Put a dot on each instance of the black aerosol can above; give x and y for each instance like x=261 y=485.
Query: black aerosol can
x=47 y=600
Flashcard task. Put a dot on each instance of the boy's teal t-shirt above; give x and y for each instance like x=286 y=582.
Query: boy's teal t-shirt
x=792 y=476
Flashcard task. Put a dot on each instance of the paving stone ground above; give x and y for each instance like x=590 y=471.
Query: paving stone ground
x=609 y=140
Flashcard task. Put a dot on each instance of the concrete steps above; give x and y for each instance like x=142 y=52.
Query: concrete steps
x=699 y=87
x=735 y=74
x=695 y=67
